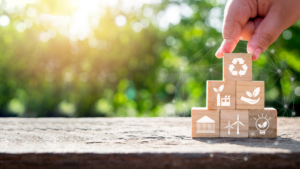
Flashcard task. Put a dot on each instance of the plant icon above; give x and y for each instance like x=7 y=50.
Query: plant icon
x=264 y=126
x=224 y=101
x=254 y=94
x=220 y=89
x=218 y=96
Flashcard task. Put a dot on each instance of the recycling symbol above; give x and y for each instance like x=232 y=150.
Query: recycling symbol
x=241 y=62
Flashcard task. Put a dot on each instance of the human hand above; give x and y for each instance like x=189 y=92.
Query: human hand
x=259 y=21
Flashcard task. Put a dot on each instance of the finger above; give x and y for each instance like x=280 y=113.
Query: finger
x=249 y=28
x=267 y=31
x=247 y=31
x=236 y=15
x=257 y=21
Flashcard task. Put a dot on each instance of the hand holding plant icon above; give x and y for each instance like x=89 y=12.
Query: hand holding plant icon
x=254 y=94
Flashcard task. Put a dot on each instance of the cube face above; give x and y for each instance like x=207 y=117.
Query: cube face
x=234 y=123
x=220 y=95
x=205 y=123
x=237 y=67
x=263 y=123
x=235 y=106
x=250 y=95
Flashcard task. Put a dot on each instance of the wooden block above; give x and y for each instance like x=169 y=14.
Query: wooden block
x=205 y=123
x=250 y=95
x=234 y=123
x=263 y=123
x=237 y=66
x=220 y=94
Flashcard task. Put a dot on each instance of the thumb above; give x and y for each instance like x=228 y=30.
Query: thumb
x=266 y=33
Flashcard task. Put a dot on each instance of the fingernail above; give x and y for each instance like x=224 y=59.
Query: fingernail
x=251 y=47
x=256 y=53
x=218 y=54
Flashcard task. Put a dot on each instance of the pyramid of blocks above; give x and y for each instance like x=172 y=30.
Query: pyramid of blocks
x=235 y=107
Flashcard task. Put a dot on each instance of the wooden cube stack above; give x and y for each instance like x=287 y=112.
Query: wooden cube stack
x=236 y=105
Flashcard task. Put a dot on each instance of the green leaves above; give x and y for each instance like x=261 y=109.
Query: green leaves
x=119 y=71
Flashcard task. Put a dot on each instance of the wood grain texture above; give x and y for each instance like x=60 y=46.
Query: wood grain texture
x=238 y=67
x=229 y=117
x=112 y=136
x=212 y=96
x=246 y=94
x=199 y=129
x=162 y=142
x=267 y=116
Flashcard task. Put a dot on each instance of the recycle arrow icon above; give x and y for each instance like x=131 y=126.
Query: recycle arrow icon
x=241 y=61
x=231 y=67
x=234 y=62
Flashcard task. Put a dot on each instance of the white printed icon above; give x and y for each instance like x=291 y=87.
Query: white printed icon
x=237 y=125
x=225 y=101
x=229 y=126
x=251 y=101
x=205 y=125
x=222 y=101
x=264 y=124
x=234 y=62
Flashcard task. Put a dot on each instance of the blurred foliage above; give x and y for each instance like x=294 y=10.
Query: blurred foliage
x=82 y=59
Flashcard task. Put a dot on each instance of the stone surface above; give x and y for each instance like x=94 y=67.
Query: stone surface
x=138 y=142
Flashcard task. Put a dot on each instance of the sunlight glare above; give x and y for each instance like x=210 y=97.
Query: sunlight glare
x=20 y=27
x=4 y=20
x=137 y=27
x=44 y=37
x=84 y=16
x=120 y=20
x=31 y=12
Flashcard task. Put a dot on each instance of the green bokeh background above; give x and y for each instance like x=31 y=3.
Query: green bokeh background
x=142 y=72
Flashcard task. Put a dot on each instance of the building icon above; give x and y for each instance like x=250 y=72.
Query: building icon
x=205 y=125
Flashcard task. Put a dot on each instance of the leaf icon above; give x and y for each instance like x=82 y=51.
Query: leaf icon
x=259 y=126
x=215 y=90
x=249 y=94
x=256 y=91
x=221 y=88
x=264 y=124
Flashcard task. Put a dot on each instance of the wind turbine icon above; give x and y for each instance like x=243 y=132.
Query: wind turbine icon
x=237 y=124
x=228 y=127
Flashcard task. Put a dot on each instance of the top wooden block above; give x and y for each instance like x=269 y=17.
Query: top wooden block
x=237 y=67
